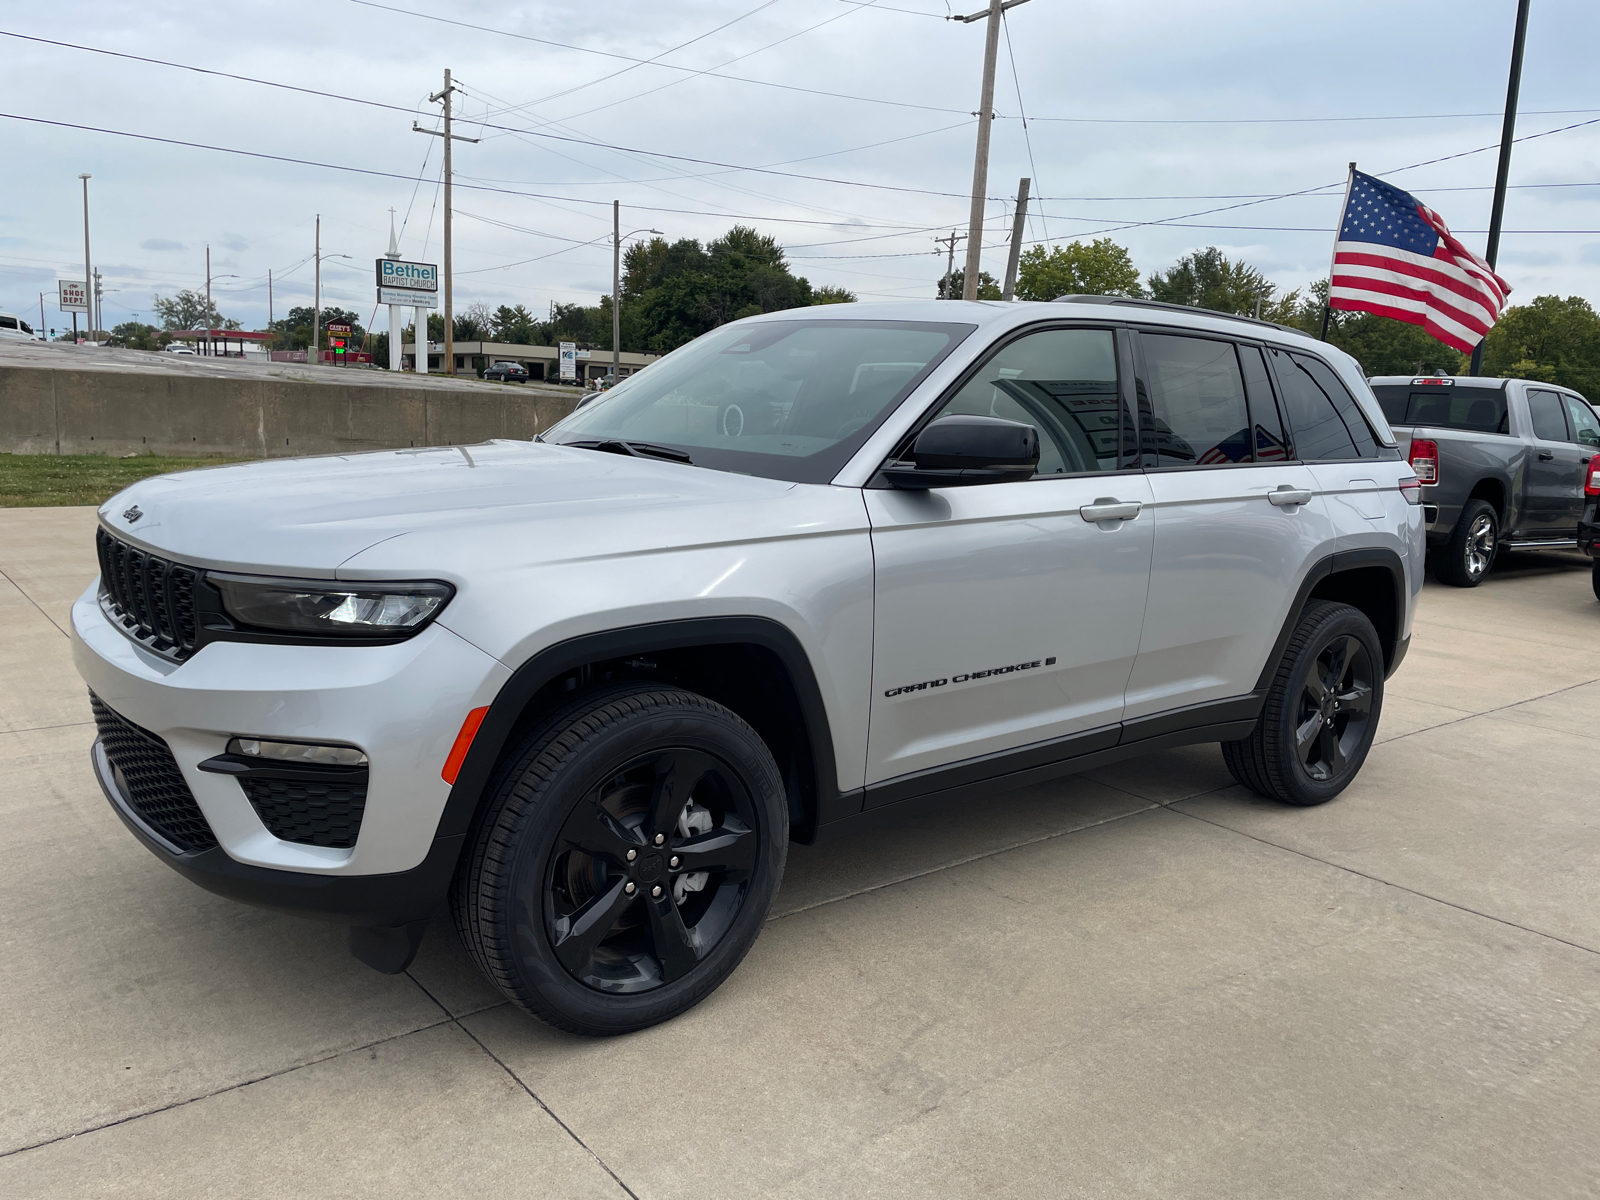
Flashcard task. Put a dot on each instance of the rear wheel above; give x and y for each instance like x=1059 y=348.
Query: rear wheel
x=1595 y=576
x=626 y=861
x=1467 y=557
x=1321 y=711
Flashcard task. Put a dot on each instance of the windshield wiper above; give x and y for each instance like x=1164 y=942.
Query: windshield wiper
x=633 y=449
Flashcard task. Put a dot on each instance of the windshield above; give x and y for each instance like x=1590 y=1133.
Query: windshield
x=784 y=399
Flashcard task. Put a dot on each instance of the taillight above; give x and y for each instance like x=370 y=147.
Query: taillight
x=1591 y=478
x=1411 y=489
x=1425 y=460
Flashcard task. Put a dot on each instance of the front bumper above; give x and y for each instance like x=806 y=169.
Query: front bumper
x=371 y=901
x=403 y=704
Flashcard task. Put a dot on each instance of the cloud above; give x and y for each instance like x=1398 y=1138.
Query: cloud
x=161 y=244
x=235 y=243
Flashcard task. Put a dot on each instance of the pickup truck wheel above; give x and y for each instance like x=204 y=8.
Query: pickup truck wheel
x=626 y=860
x=1321 y=711
x=1466 y=559
x=1595 y=577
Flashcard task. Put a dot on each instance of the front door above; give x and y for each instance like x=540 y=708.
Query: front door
x=1008 y=614
x=1555 y=471
x=1237 y=521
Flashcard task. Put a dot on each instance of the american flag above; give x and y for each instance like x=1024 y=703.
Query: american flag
x=1396 y=258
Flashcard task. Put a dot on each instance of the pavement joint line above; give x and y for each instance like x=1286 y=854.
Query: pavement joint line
x=232 y=1087
x=1388 y=882
x=1491 y=711
x=43 y=728
x=517 y=1079
x=32 y=601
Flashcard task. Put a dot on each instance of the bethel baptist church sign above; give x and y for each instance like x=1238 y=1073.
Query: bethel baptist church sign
x=408 y=283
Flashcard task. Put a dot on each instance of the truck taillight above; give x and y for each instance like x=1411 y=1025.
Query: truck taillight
x=1411 y=489
x=1425 y=460
x=1591 y=477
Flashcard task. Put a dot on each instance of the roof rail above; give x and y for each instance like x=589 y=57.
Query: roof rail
x=1133 y=302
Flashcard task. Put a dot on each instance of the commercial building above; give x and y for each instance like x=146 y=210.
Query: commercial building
x=543 y=362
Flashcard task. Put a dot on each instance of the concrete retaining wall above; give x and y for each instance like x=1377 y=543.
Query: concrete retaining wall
x=55 y=410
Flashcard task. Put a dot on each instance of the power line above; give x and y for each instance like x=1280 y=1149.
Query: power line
x=1022 y=112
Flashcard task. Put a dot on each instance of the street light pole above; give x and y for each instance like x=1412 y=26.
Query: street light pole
x=88 y=271
x=616 y=292
x=316 y=298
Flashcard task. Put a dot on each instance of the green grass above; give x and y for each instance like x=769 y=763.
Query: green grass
x=43 y=480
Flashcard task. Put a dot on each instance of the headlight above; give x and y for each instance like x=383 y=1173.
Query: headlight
x=314 y=608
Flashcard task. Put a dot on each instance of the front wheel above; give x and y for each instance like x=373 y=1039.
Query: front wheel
x=1321 y=711
x=626 y=860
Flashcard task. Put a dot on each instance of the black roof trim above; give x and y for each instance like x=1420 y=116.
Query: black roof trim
x=1132 y=302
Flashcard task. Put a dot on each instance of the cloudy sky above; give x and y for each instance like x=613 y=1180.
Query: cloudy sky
x=841 y=127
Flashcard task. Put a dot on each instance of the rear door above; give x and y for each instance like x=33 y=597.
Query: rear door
x=1555 y=467
x=1006 y=614
x=1237 y=522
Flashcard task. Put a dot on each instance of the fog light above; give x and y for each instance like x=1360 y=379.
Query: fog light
x=299 y=752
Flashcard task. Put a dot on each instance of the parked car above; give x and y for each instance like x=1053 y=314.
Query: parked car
x=1589 y=522
x=507 y=372
x=1503 y=464
x=803 y=573
x=14 y=328
x=178 y=348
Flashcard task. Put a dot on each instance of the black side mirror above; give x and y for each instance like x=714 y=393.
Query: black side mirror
x=958 y=451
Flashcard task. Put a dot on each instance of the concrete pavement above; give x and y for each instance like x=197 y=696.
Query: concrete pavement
x=1142 y=981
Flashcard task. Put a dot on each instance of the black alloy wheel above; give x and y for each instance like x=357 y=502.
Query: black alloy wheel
x=1594 y=575
x=650 y=870
x=625 y=859
x=1321 y=711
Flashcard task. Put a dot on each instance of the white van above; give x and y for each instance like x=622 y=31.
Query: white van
x=15 y=327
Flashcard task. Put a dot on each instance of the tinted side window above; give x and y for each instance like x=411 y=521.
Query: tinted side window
x=1585 y=425
x=1198 y=409
x=1063 y=382
x=1355 y=424
x=1549 y=424
x=1271 y=444
x=1318 y=430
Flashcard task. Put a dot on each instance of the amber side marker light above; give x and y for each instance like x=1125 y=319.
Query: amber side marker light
x=458 y=752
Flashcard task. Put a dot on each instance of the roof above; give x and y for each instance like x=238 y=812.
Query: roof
x=218 y=335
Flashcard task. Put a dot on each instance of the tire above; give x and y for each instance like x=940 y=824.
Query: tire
x=1321 y=711
x=1470 y=552
x=1594 y=575
x=576 y=893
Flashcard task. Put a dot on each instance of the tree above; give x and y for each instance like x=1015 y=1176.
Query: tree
x=828 y=294
x=1206 y=279
x=952 y=285
x=190 y=310
x=475 y=323
x=1551 y=339
x=1101 y=268
x=514 y=326
x=135 y=335
x=294 y=330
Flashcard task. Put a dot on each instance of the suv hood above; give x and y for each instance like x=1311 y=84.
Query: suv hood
x=307 y=516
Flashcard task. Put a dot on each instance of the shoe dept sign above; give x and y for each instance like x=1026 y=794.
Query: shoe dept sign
x=414 y=284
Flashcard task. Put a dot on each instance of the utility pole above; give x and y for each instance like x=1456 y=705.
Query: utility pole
x=449 y=290
x=42 y=336
x=1498 y=212
x=616 y=292
x=1016 y=239
x=949 y=263
x=99 y=317
x=269 y=297
x=980 y=164
x=316 y=299
x=208 y=280
x=88 y=270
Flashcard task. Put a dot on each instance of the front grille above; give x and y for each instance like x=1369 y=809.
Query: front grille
x=151 y=598
x=313 y=813
x=150 y=780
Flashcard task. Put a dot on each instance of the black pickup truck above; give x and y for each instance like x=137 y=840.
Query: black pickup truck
x=1503 y=463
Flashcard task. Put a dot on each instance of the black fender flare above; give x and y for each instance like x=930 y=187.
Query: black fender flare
x=508 y=706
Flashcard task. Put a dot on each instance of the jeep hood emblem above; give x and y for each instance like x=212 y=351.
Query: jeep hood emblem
x=132 y=515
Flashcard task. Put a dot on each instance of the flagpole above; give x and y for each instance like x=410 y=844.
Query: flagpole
x=1327 y=304
x=1513 y=85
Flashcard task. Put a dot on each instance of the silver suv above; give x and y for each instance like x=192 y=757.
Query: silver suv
x=814 y=565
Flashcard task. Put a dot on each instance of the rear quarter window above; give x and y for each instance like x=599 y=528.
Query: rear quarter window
x=1474 y=409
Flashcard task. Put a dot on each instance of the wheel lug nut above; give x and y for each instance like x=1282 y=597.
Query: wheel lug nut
x=656 y=891
x=629 y=887
x=673 y=861
x=660 y=837
x=632 y=854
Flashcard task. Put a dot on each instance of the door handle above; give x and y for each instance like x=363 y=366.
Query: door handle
x=1109 y=508
x=1285 y=495
x=1546 y=455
